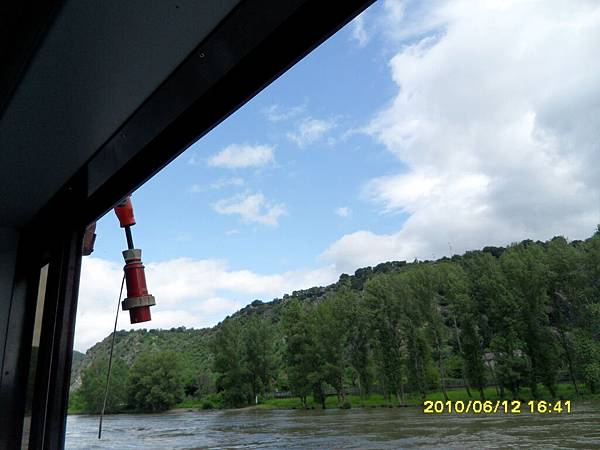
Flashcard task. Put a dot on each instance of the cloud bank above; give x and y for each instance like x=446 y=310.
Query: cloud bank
x=495 y=127
x=189 y=292
x=309 y=130
x=237 y=156
x=252 y=208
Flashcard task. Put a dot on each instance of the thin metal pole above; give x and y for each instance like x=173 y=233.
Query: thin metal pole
x=129 y=238
x=112 y=346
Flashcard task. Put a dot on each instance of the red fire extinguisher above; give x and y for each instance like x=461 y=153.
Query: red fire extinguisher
x=138 y=301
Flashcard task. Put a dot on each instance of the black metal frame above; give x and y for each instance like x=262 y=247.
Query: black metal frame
x=253 y=45
x=56 y=344
x=17 y=345
x=50 y=398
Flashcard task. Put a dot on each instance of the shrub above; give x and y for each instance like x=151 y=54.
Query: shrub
x=93 y=383
x=156 y=382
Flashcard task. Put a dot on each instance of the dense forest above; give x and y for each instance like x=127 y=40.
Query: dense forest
x=522 y=317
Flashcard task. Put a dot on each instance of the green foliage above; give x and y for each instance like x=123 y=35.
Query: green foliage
x=244 y=360
x=76 y=403
x=526 y=269
x=302 y=359
x=259 y=355
x=156 y=382
x=130 y=344
x=232 y=375
x=511 y=317
x=91 y=395
x=501 y=322
x=564 y=391
x=331 y=329
x=385 y=299
x=587 y=356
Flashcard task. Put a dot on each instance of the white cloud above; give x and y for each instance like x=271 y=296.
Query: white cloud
x=216 y=185
x=406 y=19
x=495 y=127
x=277 y=113
x=236 y=156
x=343 y=211
x=188 y=292
x=252 y=208
x=309 y=130
x=359 y=33
x=364 y=248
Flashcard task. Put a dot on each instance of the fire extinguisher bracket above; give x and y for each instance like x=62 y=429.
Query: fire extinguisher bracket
x=132 y=254
x=136 y=302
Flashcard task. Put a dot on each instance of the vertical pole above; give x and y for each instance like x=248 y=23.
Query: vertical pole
x=129 y=237
x=110 y=358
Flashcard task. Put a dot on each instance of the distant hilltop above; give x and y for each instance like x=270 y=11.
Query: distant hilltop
x=194 y=342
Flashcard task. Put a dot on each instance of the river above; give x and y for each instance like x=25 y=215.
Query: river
x=376 y=428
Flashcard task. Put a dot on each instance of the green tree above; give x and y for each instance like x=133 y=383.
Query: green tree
x=525 y=267
x=156 y=381
x=331 y=336
x=587 y=335
x=93 y=383
x=510 y=317
x=463 y=313
x=566 y=288
x=230 y=364
x=424 y=282
x=385 y=297
x=303 y=360
x=587 y=356
x=498 y=319
x=259 y=355
x=359 y=342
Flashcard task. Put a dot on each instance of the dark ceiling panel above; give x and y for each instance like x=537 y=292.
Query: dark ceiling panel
x=253 y=45
x=97 y=64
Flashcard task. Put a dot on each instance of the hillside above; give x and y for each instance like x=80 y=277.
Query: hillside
x=522 y=317
x=194 y=343
x=77 y=356
x=130 y=344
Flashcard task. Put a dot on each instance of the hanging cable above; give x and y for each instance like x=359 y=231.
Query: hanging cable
x=112 y=346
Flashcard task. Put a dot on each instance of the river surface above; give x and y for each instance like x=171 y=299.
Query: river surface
x=373 y=428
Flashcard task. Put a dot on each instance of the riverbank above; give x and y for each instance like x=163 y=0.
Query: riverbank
x=564 y=392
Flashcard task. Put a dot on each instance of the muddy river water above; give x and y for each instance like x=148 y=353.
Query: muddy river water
x=376 y=428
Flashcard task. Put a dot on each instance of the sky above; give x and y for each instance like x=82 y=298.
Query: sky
x=419 y=130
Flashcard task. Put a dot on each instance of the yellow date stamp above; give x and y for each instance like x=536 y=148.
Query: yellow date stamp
x=497 y=407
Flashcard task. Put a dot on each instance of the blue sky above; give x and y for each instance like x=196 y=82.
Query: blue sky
x=339 y=85
x=420 y=129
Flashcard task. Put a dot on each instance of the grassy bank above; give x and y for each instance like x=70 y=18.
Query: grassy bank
x=564 y=391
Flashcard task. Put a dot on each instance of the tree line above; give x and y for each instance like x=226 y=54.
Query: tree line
x=153 y=383
x=514 y=318
x=519 y=317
